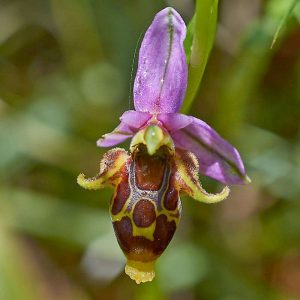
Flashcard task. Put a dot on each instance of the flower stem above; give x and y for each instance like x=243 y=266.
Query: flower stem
x=203 y=35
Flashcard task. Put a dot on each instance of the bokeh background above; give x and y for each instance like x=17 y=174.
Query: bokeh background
x=66 y=68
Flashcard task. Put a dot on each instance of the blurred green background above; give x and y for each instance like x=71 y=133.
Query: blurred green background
x=65 y=73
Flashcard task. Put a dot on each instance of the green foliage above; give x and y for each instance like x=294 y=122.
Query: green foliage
x=288 y=13
x=198 y=45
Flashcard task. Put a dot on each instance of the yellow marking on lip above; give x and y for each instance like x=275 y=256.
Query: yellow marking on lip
x=147 y=232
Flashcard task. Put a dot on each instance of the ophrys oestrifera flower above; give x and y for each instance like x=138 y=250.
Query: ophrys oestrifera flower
x=168 y=150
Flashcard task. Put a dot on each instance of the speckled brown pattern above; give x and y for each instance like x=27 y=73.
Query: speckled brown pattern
x=146 y=207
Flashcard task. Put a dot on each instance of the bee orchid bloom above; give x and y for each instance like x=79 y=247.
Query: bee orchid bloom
x=167 y=152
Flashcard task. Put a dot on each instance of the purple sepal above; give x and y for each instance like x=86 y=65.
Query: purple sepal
x=131 y=122
x=161 y=77
x=217 y=158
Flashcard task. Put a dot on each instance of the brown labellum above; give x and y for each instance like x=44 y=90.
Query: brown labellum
x=145 y=210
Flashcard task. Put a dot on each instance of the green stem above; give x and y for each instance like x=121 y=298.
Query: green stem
x=205 y=21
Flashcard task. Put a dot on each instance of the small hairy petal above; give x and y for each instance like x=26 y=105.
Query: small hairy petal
x=131 y=122
x=111 y=163
x=188 y=172
x=217 y=158
x=161 y=78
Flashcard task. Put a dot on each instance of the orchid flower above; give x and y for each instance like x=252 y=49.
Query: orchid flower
x=168 y=150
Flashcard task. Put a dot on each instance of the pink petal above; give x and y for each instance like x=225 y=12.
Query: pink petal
x=161 y=78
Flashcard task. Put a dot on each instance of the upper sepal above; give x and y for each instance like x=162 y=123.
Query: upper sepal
x=161 y=78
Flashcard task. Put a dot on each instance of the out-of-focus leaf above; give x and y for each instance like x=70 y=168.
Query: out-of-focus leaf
x=285 y=17
x=97 y=87
x=229 y=278
x=20 y=277
x=288 y=13
x=77 y=32
x=203 y=32
x=54 y=219
x=281 y=229
x=104 y=259
x=15 y=284
x=190 y=262
x=188 y=42
x=233 y=281
x=150 y=291
x=25 y=135
x=242 y=79
x=273 y=162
